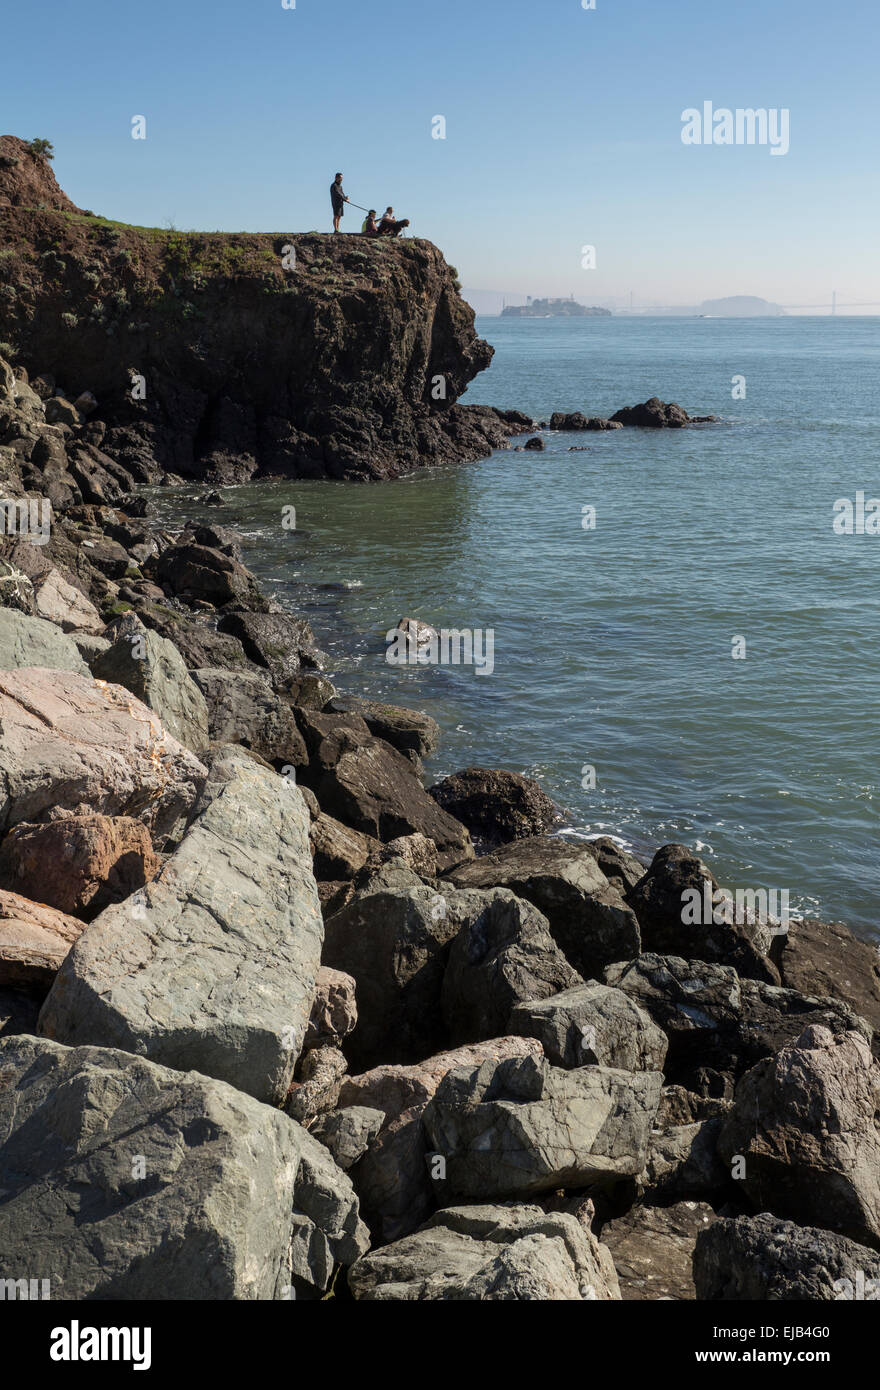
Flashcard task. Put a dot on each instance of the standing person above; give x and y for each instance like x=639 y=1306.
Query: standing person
x=338 y=201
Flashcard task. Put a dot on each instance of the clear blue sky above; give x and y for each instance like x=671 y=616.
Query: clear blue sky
x=563 y=128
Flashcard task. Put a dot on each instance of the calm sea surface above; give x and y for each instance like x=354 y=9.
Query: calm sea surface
x=613 y=646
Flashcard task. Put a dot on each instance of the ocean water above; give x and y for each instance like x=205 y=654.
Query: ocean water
x=613 y=647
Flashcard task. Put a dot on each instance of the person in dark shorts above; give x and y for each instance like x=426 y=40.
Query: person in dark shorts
x=338 y=201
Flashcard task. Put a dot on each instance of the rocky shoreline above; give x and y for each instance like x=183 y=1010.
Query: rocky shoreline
x=276 y=1019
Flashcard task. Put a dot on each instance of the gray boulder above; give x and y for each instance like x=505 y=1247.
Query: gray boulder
x=410 y=731
x=212 y=965
x=514 y=1128
x=503 y=954
x=348 y=1133
x=152 y=668
x=126 y=1180
x=243 y=708
x=490 y=1253
x=28 y=641
x=805 y=1124
x=589 y=920
x=592 y=1024
x=762 y=1258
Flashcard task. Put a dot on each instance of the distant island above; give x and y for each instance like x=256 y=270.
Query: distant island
x=740 y=306
x=552 y=308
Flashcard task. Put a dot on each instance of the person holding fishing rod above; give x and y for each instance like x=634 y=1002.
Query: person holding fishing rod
x=338 y=201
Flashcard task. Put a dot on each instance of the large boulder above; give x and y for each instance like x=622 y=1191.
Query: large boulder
x=496 y=806
x=592 y=1024
x=152 y=668
x=78 y=864
x=410 y=731
x=395 y=943
x=717 y=1024
x=126 y=1180
x=243 y=708
x=338 y=852
x=762 y=1258
x=34 y=939
x=212 y=966
x=69 y=742
x=653 y=414
x=480 y=1253
x=678 y=917
x=30 y=641
x=502 y=955
x=62 y=603
x=280 y=643
x=367 y=784
x=588 y=919
x=515 y=1128
x=396 y=1186
x=805 y=1126
x=652 y=1249
x=825 y=959
x=200 y=572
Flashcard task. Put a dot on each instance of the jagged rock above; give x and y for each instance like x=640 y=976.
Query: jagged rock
x=807 y=1123
x=496 y=806
x=681 y=1107
x=408 y=730
x=348 y=1133
x=78 y=864
x=243 y=708
x=337 y=851
x=589 y=921
x=213 y=970
x=762 y=1258
x=683 y=1162
x=276 y=641
x=317 y=1088
x=60 y=602
x=152 y=668
x=502 y=955
x=592 y=1024
x=825 y=959
x=653 y=413
x=536 y=443
x=576 y=420
x=664 y=907
x=652 y=1249
x=396 y=1186
x=418 y=852
x=334 y=1008
x=514 y=1128
x=490 y=1253
x=68 y=742
x=34 y=939
x=622 y=869
x=187 y=1188
x=395 y=942
x=367 y=784
x=200 y=572
x=716 y=1022
x=394 y=1089
x=30 y=641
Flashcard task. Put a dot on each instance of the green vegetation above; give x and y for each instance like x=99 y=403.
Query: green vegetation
x=43 y=149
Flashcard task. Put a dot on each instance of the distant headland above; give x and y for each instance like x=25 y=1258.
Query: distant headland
x=552 y=308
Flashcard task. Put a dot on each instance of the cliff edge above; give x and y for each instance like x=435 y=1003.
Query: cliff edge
x=301 y=355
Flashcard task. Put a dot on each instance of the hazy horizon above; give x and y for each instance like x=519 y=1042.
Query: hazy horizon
x=564 y=129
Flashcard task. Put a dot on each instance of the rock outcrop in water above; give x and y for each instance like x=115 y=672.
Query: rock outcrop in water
x=305 y=355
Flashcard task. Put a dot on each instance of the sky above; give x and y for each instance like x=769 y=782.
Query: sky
x=563 y=130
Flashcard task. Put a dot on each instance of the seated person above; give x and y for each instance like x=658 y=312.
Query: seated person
x=388 y=226
x=370 y=226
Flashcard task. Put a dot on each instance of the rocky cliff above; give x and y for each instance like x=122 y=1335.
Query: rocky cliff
x=304 y=355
